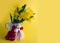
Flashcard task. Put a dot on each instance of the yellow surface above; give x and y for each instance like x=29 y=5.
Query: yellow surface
x=45 y=28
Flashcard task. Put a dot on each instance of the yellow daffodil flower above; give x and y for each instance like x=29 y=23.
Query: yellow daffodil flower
x=28 y=12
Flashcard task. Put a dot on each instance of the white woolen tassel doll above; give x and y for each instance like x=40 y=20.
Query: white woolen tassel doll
x=19 y=32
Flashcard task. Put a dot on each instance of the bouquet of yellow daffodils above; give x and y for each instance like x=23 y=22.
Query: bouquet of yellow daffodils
x=21 y=15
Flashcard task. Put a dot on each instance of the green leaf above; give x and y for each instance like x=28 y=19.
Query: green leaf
x=23 y=8
x=31 y=16
x=11 y=17
x=17 y=8
x=21 y=21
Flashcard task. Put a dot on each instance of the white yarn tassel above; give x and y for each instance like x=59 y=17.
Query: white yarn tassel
x=19 y=36
x=22 y=34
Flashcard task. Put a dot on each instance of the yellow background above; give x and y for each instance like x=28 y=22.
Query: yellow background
x=45 y=28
